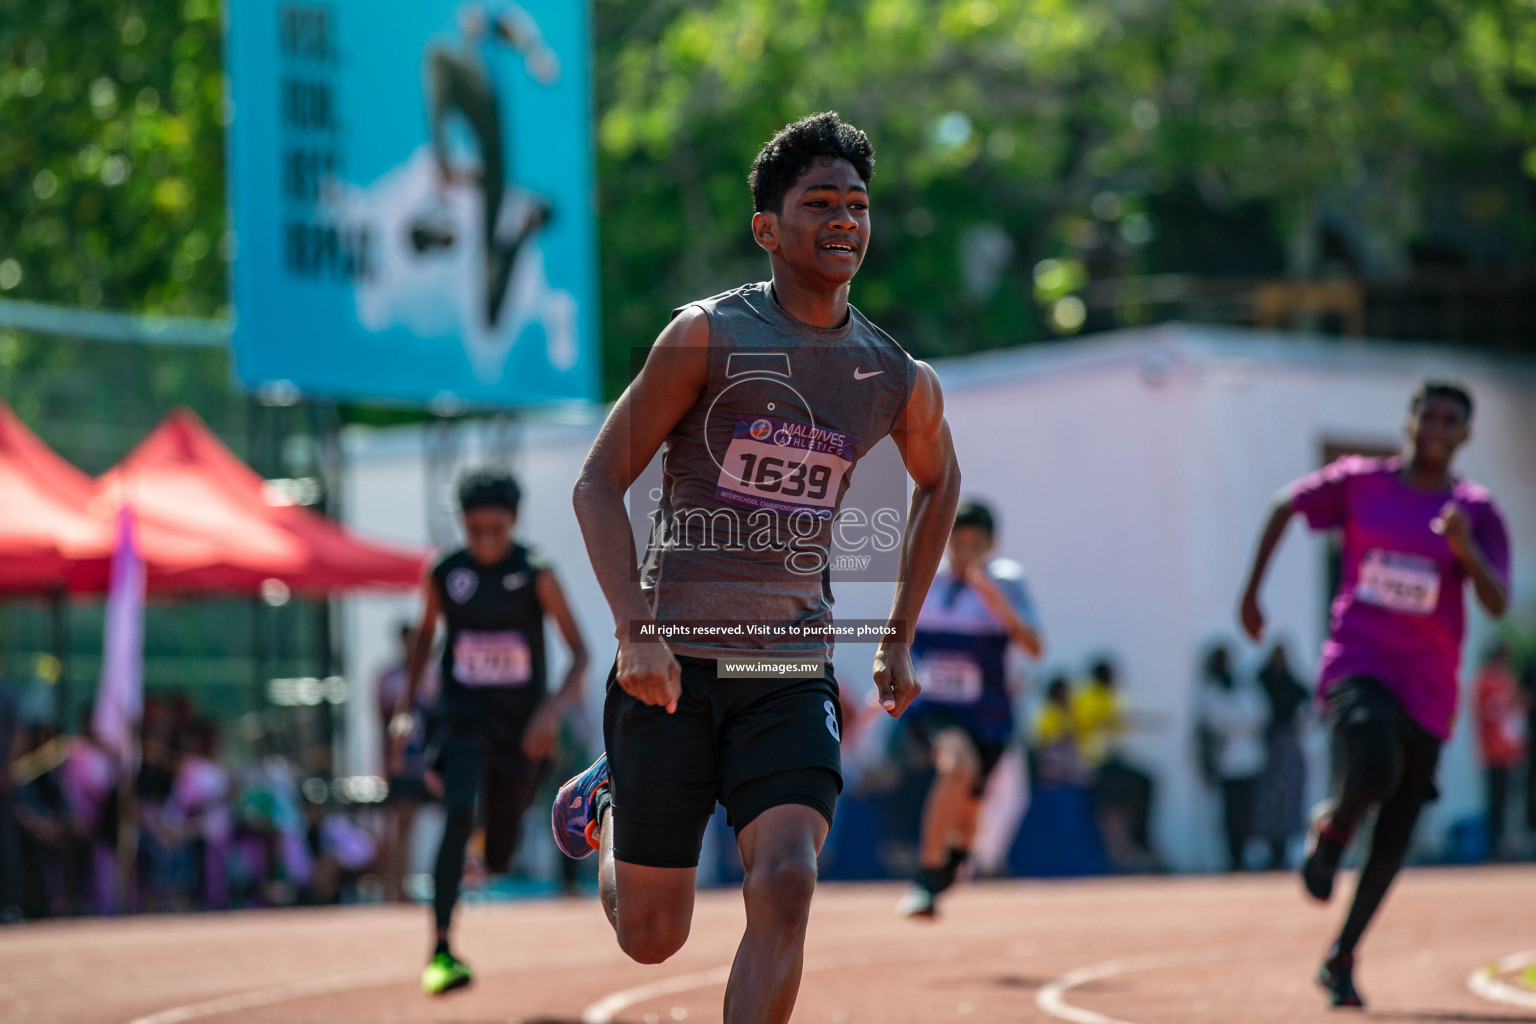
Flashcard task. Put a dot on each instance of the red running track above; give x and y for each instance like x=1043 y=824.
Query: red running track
x=1121 y=951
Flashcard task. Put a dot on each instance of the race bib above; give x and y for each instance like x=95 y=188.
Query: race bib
x=1404 y=583
x=492 y=659
x=951 y=679
x=784 y=465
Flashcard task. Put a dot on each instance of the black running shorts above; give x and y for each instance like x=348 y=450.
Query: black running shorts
x=749 y=744
x=1365 y=705
x=934 y=719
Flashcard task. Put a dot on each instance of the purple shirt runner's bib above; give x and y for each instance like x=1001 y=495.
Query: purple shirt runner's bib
x=1400 y=613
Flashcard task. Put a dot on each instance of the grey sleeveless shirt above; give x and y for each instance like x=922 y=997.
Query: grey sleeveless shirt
x=753 y=476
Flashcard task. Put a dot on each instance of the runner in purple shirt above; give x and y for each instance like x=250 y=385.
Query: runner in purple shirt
x=1413 y=535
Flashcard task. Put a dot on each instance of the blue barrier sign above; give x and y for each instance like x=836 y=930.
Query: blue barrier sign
x=411 y=193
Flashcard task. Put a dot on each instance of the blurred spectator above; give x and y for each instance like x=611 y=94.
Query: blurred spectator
x=407 y=789
x=339 y=852
x=49 y=881
x=1057 y=753
x=207 y=839
x=1122 y=792
x=200 y=810
x=10 y=837
x=273 y=864
x=1501 y=737
x=160 y=844
x=181 y=712
x=1099 y=712
x=90 y=800
x=1528 y=686
x=1279 y=815
x=1236 y=715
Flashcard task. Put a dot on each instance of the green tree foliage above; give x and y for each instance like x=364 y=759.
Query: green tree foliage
x=1099 y=134
x=1035 y=129
x=111 y=161
x=112 y=197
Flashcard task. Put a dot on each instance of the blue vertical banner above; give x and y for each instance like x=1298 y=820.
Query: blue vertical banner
x=412 y=198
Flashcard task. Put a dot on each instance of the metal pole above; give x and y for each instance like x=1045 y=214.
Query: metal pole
x=327 y=425
x=253 y=411
x=127 y=829
x=60 y=644
x=258 y=657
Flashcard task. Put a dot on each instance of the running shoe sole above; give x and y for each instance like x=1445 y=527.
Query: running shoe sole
x=918 y=904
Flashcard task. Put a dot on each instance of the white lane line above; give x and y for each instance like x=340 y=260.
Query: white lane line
x=332 y=984
x=1048 y=999
x=1485 y=980
x=605 y=1009
x=1051 y=998
x=267 y=996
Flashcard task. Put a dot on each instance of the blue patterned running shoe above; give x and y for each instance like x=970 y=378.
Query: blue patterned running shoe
x=574 y=817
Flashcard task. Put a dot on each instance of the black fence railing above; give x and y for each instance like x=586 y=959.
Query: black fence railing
x=1495 y=312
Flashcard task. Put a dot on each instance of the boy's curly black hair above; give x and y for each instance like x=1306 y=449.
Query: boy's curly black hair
x=789 y=153
x=489 y=488
x=1453 y=390
x=976 y=513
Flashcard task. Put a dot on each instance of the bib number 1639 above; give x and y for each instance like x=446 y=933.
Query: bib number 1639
x=767 y=473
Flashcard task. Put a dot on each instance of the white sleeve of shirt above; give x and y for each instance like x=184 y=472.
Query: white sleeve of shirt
x=1222 y=710
x=1011 y=581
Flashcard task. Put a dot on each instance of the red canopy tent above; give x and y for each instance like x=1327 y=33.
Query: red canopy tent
x=44 y=527
x=183 y=479
x=204 y=522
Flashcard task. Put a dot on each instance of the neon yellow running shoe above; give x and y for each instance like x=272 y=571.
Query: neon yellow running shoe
x=445 y=973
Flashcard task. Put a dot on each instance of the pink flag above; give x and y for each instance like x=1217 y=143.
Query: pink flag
x=120 y=697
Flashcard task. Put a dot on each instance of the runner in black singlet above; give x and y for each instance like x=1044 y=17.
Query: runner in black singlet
x=497 y=724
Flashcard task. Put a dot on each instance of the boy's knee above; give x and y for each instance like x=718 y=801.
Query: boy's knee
x=782 y=887
x=651 y=939
x=955 y=757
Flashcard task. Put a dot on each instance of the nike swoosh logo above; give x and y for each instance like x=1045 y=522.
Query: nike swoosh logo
x=865 y=376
